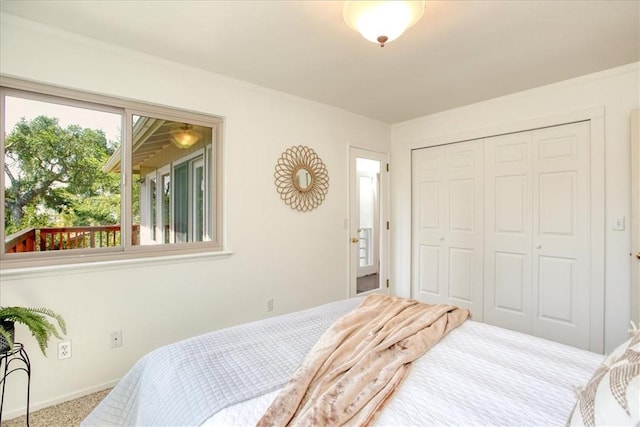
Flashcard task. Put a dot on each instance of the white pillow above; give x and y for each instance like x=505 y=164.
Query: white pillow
x=612 y=396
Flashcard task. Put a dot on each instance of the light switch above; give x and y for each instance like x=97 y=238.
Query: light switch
x=618 y=223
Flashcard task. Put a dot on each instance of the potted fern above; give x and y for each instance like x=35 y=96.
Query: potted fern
x=38 y=320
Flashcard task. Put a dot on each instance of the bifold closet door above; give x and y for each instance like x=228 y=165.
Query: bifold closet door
x=447 y=212
x=561 y=234
x=537 y=232
x=508 y=231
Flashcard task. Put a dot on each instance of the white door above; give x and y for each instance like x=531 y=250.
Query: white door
x=447 y=248
x=561 y=234
x=368 y=233
x=537 y=233
x=635 y=217
x=508 y=231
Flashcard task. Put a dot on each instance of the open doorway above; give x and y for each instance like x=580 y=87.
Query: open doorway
x=367 y=222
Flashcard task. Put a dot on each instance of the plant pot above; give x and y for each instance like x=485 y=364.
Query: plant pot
x=9 y=327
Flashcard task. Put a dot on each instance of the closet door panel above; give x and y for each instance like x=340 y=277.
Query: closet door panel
x=556 y=288
x=429 y=280
x=464 y=235
x=461 y=225
x=447 y=249
x=507 y=278
x=557 y=210
x=510 y=192
x=461 y=275
x=461 y=209
x=561 y=233
x=509 y=288
x=429 y=195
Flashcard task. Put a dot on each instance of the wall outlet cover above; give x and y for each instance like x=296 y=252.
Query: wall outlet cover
x=64 y=350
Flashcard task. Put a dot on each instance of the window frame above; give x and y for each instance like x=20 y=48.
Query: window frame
x=127 y=109
x=165 y=170
x=199 y=162
x=150 y=213
x=190 y=161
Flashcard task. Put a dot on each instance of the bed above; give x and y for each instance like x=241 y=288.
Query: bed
x=478 y=374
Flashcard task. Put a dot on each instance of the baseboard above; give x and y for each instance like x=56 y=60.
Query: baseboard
x=34 y=406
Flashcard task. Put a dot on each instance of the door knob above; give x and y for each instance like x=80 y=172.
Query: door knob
x=354 y=240
x=538 y=246
x=638 y=254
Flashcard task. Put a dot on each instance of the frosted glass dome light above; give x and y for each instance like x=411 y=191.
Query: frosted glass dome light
x=184 y=137
x=382 y=21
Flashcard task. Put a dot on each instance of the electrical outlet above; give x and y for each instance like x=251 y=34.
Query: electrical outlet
x=64 y=350
x=116 y=339
x=270 y=304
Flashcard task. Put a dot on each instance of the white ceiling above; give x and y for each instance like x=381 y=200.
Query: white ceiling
x=461 y=52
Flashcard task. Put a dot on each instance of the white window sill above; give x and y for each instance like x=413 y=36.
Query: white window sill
x=47 y=270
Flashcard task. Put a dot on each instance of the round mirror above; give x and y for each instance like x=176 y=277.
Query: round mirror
x=303 y=179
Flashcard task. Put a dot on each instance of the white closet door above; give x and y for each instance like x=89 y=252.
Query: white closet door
x=537 y=233
x=561 y=233
x=448 y=225
x=428 y=217
x=508 y=231
x=523 y=263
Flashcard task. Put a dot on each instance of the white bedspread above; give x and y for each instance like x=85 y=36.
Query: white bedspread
x=183 y=384
x=477 y=375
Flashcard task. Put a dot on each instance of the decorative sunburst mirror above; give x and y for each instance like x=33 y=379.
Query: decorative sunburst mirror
x=301 y=178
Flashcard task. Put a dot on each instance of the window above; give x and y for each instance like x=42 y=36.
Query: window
x=153 y=214
x=77 y=187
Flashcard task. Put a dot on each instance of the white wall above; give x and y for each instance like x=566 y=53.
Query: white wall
x=298 y=259
x=617 y=90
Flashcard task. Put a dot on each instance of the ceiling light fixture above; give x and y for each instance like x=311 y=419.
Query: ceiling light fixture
x=382 y=21
x=185 y=136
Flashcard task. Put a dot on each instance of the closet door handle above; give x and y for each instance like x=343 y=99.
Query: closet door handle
x=538 y=246
x=638 y=254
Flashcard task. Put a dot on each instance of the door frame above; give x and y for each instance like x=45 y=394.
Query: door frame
x=635 y=216
x=384 y=240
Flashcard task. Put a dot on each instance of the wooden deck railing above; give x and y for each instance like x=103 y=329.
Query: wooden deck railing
x=62 y=238
x=22 y=241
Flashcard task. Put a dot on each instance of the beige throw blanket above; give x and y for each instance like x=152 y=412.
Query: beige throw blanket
x=356 y=366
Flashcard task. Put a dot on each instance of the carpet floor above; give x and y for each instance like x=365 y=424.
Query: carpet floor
x=67 y=414
x=368 y=283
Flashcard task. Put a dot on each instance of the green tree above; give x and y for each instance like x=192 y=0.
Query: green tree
x=55 y=176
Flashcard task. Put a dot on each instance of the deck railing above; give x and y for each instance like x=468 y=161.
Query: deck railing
x=22 y=241
x=63 y=238
x=365 y=249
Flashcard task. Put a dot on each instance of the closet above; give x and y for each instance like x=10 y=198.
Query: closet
x=502 y=226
